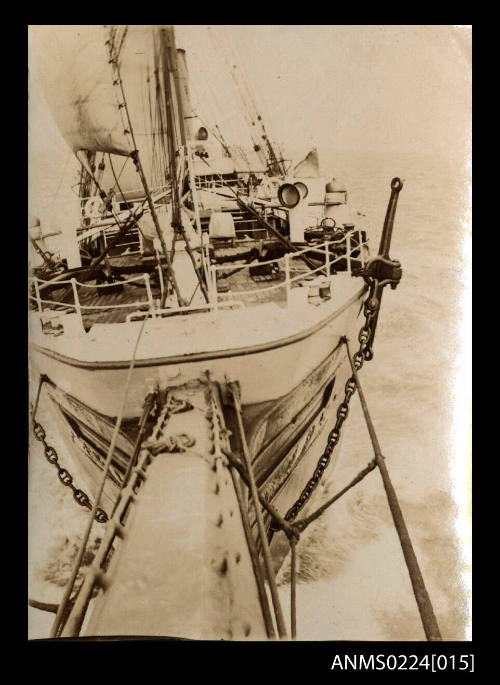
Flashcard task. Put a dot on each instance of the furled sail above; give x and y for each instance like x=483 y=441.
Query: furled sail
x=83 y=90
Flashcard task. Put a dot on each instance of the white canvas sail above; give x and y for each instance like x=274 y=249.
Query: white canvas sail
x=78 y=85
x=84 y=94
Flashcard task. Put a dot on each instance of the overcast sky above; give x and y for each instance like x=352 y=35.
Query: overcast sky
x=382 y=88
x=359 y=88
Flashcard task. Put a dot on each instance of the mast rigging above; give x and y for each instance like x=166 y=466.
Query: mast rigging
x=135 y=157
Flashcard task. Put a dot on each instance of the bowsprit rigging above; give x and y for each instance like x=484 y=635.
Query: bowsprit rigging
x=195 y=360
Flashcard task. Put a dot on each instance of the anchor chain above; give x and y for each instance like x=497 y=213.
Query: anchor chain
x=342 y=412
x=64 y=475
x=70 y=625
x=365 y=337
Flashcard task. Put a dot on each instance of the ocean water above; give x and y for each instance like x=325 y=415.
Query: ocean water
x=353 y=583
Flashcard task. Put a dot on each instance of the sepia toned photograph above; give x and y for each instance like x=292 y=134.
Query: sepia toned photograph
x=249 y=323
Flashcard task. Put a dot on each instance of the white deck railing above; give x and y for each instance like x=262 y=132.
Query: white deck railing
x=217 y=300
x=79 y=308
x=285 y=262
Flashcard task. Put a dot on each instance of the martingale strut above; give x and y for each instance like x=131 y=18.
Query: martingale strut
x=379 y=271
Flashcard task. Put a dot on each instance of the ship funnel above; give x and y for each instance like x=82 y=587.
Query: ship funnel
x=185 y=94
x=289 y=195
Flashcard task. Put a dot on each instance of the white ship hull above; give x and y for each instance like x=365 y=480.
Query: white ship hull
x=280 y=351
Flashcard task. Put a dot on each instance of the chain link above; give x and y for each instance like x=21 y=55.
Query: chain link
x=64 y=475
x=363 y=354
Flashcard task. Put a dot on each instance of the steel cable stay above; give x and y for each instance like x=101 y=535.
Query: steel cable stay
x=294 y=529
x=158 y=261
x=379 y=272
x=247 y=109
x=55 y=195
x=250 y=481
x=69 y=586
x=123 y=228
x=212 y=106
x=427 y=616
x=116 y=527
x=273 y=163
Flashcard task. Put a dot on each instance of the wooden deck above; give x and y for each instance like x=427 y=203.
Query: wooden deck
x=256 y=289
x=100 y=306
x=236 y=281
x=240 y=282
x=134 y=296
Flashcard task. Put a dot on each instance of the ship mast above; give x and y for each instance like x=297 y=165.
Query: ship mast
x=114 y=54
x=176 y=123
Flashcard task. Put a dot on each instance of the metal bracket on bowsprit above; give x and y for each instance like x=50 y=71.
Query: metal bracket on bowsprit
x=382 y=271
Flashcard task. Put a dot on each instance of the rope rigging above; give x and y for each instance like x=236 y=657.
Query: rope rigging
x=247 y=109
x=378 y=272
x=69 y=587
x=208 y=95
x=171 y=73
x=251 y=111
x=265 y=224
x=293 y=527
x=135 y=158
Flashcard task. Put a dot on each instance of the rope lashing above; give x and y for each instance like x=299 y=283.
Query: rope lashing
x=275 y=515
x=74 y=615
x=293 y=530
x=172 y=443
x=427 y=616
x=96 y=574
x=69 y=587
x=137 y=162
x=148 y=406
